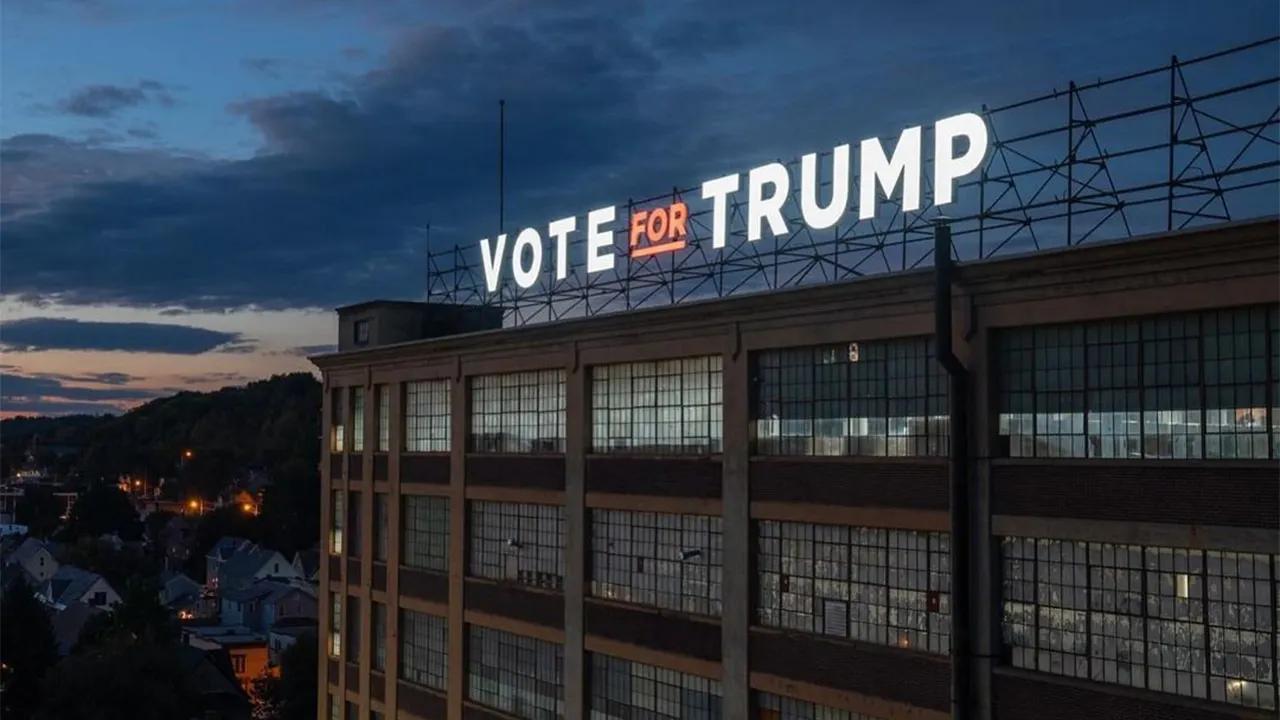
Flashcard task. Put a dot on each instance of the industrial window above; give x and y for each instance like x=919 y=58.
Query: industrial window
x=337 y=518
x=883 y=398
x=889 y=587
x=622 y=689
x=380 y=527
x=383 y=398
x=521 y=542
x=519 y=412
x=660 y=559
x=1176 y=620
x=781 y=707
x=353 y=524
x=425 y=532
x=360 y=332
x=424 y=649
x=353 y=710
x=335 y=624
x=426 y=416
x=1193 y=385
x=515 y=674
x=337 y=428
x=353 y=628
x=669 y=406
x=357 y=419
x=378 y=623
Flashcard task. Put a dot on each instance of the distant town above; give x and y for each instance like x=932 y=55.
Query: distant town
x=170 y=553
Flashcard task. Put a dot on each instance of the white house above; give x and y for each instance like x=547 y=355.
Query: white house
x=36 y=561
x=71 y=584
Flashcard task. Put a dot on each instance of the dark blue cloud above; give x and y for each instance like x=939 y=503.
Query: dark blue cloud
x=33 y=334
x=603 y=103
x=21 y=387
x=100 y=101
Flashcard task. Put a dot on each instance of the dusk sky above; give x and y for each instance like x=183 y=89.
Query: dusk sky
x=188 y=189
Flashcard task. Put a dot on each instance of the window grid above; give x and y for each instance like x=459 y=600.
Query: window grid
x=337 y=520
x=622 y=690
x=383 y=399
x=781 y=707
x=357 y=419
x=520 y=675
x=672 y=406
x=353 y=629
x=425 y=532
x=426 y=416
x=1176 y=620
x=889 y=587
x=889 y=401
x=1235 y=367
x=335 y=624
x=380 y=529
x=520 y=542
x=378 y=640
x=424 y=649
x=663 y=560
x=337 y=427
x=1174 y=386
x=353 y=524
x=520 y=412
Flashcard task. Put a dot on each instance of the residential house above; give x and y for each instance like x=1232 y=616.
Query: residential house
x=35 y=559
x=184 y=596
x=262 y=603
x=250 y=563
x=246 y=649
x=71 y=584
x=222 y=551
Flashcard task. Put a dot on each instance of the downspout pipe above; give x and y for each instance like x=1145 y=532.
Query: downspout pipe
x=958 y=480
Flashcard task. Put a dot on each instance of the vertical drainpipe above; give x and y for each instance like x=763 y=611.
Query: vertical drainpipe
x=961 y=644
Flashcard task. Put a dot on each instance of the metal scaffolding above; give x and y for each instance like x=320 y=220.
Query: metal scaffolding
x=1132 y=155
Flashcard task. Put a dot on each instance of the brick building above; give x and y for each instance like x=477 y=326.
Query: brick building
x=739 y=508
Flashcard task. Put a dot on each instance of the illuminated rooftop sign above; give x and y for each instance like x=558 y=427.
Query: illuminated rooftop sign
x=663 y=229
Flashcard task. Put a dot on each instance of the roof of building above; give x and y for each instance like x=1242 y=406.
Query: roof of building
x=28 y=549
x=244 y=565
x=305 y=626
x=266 y=590
x=227 y=546
x=177 y=588
x=69 y=622
x=70 y=584
x=309 y=560
x=209 y=672
x=226 y=635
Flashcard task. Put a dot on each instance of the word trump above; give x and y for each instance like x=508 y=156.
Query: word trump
x=767 y=189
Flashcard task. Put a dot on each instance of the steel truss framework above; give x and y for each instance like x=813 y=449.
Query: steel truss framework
x=1152 y=151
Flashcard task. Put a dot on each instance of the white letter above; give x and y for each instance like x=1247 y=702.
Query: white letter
x=819 y=217
x=905 y=165
x=492 y=261
x=530 y=238
x=767 y=208
x=719 y=190
x=947 y=168
x=560 y=229
x=598 y=240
